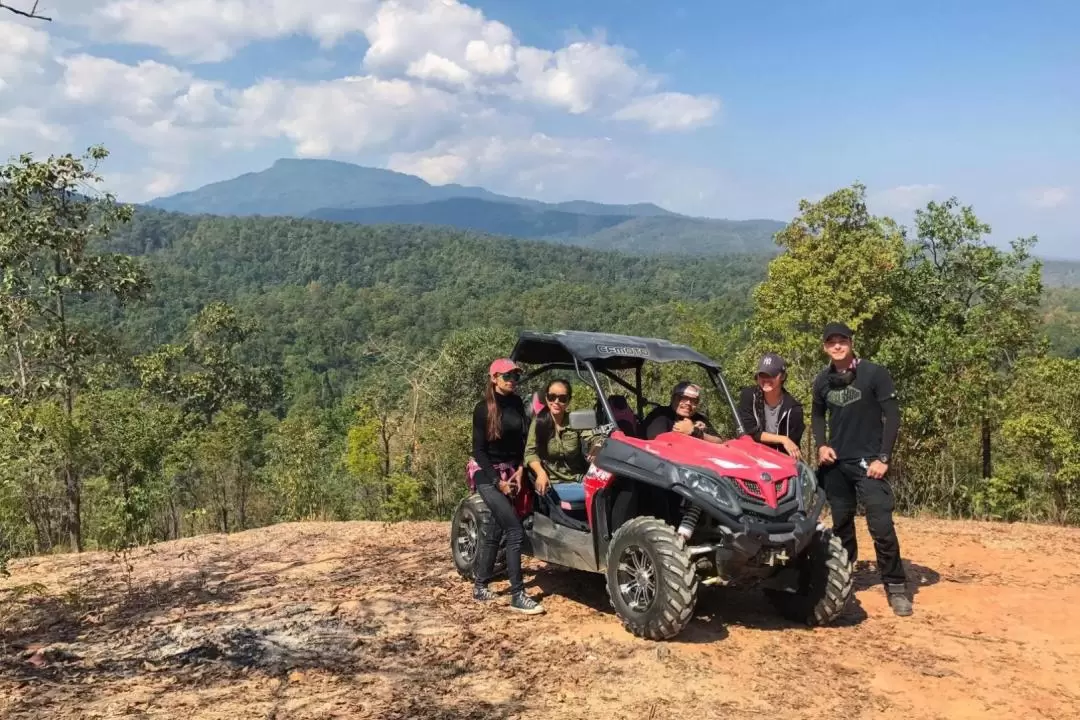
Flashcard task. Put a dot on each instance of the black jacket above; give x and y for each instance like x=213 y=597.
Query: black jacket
x=752 y=413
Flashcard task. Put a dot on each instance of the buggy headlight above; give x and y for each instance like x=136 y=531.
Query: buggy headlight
x=711 y=488
x=807 y=482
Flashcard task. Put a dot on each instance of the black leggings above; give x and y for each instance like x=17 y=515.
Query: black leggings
x=508 y=524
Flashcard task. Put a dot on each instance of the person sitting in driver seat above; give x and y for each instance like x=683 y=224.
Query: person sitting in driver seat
x=681 y=415
x=552 y=449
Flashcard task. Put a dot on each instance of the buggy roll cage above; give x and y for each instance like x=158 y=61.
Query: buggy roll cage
x=565 y=352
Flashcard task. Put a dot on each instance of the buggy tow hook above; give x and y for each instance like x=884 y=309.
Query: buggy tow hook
x=715 y=580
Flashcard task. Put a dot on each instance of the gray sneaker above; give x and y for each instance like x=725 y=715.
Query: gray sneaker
x=482 y=593
x=522 y=603
x=898 y=600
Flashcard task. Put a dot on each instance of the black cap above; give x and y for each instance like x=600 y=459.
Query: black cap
x=836 y=328
x=771 y=364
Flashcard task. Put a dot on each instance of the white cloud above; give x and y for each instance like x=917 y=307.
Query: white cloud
x=905 y=198
x=348 y=115
x=24 y=52
x=670 y=111
x=24 y=129
x=213 y=30
x=1049 y=198
x=443 y=42
x=558 y=168
x=579 y=76
x=437 y=68
x=525 y=158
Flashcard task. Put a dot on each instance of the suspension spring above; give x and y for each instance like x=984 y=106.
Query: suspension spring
x=689 y=522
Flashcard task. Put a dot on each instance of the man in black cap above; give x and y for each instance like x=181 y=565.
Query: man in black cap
x=770 y=408
x=863 y=421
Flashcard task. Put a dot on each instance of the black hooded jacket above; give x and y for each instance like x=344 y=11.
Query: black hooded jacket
x=752 y=413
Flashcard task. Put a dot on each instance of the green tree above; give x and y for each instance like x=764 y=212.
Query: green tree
x=207 y=372
x=129 y=436
x=1040 y=476
x=837 y=264
x=965 y=312
x=47 y=226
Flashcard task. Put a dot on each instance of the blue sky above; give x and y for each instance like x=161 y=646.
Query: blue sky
x=710 y=108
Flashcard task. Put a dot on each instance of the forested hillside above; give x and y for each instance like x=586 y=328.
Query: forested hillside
x=165 y=374
x=1061 y=273
x=410 y=284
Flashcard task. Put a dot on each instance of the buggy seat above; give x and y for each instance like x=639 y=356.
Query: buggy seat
x=571 y=497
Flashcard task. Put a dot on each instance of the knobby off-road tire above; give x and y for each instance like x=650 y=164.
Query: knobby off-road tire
x=825 y=583
x=472 y=519
x=640 y=545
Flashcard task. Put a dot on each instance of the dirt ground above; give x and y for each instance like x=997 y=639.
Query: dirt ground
x=366 y=620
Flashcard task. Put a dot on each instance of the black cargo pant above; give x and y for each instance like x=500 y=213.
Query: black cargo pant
x=845 y=482
x=508 y=524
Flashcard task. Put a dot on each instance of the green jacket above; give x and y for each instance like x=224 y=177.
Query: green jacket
x=565 y=462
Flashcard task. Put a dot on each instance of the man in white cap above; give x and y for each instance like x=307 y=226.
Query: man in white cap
x=681 y=416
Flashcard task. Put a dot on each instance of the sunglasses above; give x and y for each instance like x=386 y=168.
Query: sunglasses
x=511 y=376
x=554 y=397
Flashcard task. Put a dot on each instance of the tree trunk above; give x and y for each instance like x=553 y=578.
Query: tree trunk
x=71 y=473
x=987 y=464
x=22 y=365
x=74 y=506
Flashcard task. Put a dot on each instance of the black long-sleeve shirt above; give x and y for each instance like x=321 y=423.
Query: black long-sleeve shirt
x=510 y=448
x=863 y=417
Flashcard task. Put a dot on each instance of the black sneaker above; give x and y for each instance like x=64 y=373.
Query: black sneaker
x=898 y=600
x=522 y=603
x=482 y=593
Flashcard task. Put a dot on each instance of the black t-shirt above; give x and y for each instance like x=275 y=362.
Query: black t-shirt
x=510 y=447
x=663 y=419
x=863 y=417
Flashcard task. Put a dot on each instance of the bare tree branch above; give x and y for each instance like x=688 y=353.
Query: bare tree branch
x=32 y=13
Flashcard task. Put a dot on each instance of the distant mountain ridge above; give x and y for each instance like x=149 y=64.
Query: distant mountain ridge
x=342 y=192
x=297 y=187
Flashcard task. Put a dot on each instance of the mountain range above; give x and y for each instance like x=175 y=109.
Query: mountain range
x=343 y=192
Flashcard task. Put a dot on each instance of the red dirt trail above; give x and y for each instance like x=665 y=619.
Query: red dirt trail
x=369 y=620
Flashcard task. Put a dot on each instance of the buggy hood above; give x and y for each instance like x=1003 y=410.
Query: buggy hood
x=741 y=458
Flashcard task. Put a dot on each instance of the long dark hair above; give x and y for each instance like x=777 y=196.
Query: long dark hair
x=545 y=424
x=494 y=412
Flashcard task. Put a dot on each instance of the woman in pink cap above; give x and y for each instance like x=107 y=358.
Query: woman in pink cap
x=499 y=428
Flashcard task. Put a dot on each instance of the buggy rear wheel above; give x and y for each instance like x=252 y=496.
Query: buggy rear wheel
x=651 y=579
x=825 y=584
x=472 y=520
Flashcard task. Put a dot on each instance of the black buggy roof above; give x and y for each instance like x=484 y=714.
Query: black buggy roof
x=615 y=352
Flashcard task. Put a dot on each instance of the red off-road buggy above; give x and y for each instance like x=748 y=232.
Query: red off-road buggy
x=660 y=517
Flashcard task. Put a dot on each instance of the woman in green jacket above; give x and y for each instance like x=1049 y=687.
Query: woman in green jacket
x=552 y=449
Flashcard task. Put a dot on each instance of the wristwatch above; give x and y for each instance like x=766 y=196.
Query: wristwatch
x=884 y=459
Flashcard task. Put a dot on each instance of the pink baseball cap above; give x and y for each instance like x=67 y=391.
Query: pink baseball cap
x=502 y=365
